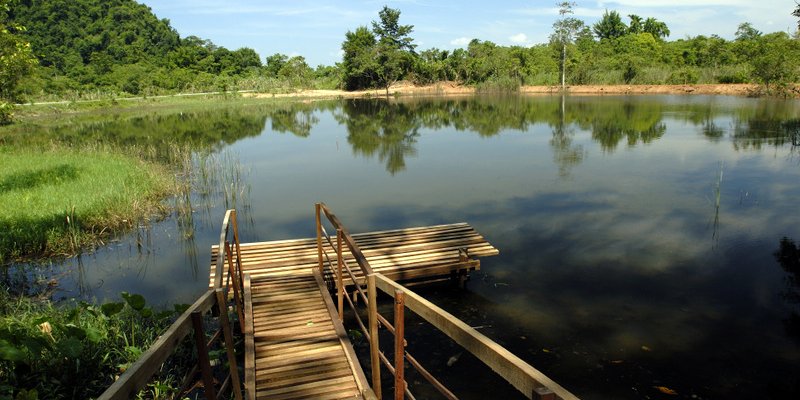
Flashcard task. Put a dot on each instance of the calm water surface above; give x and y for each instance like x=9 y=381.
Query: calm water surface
x=644 y=242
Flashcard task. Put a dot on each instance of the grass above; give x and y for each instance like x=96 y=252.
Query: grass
x=61 y=199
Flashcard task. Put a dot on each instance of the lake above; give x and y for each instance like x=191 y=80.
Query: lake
x=647 y=243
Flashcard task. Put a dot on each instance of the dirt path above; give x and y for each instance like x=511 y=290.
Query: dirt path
x=450 y=88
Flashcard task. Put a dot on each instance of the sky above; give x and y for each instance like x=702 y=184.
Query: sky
x=315 y=29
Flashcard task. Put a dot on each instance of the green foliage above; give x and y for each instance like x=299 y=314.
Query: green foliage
x=564 y=31
x=610 y=26
x=16 y=60
x=684 y=76
x=777 y=60
x=70 y=351
x=120 y=46
x=380 y=57
x=6 y=113
x=656 y=28
x=358 y=62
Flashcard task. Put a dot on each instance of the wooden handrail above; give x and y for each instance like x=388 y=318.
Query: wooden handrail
x=517 y=372
x=227 y=223
x=351 y=244
x=532 y=383
x=140 y=372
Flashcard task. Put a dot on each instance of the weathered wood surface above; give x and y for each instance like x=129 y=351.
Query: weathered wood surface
x=400 y=254
x=298 y=347
x=300 y=350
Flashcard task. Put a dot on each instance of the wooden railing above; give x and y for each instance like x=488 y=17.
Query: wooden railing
x=525 y=378
x=141 y=371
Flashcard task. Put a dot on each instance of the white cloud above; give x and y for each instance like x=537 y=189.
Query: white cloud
x=462 y=41
x=519 y=38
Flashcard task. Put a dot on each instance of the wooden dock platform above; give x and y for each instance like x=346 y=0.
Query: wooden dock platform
x=301 y=348
x=295 y=346
x=400 y=254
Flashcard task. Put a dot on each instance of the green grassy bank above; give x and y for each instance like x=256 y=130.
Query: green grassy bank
x=58 y=200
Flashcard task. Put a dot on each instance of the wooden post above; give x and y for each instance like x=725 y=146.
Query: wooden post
x=339 y=282
x=374 y=350
x=202 y=355
x=226 y=331
x=237 y=294
x=543 y=393
x=319 y=237
x=237 y=245
x=399 y=348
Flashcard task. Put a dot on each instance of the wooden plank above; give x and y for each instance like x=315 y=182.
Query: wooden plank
x=349 y=353
x=520 y=374
x=249 y=343
x=311 y=388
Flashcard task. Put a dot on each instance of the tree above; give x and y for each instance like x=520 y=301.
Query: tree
x=636 y=24
x=564 y=31
x=776 y=60
x=745 y=31
x=610 y=26
x=274 y=64
x=358 y=61
x=796 y=13
x=297 y=71
x=394 y=49
x=16 y=62
x=655 y=27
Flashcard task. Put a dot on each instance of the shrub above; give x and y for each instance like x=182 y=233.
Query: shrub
x=683 y=76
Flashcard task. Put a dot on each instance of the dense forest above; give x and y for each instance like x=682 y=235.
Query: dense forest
x=55 y=49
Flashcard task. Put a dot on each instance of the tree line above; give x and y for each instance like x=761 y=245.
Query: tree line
x=84 y=48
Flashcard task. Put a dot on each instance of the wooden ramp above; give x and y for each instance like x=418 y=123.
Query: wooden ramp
x=400 y=254
x=301 y=352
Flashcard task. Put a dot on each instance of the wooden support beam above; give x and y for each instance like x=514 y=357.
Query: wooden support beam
x=249 y=343
x=374 y=350
x=226 y=332
x=339 y=263
x=202 y=356
x=399 y=348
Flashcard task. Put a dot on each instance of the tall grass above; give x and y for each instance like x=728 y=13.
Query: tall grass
x=58 y=200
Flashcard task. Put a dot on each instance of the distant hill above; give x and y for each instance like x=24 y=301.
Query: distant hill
x=119 y=45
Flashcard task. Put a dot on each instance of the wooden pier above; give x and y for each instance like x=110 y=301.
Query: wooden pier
x=301 y=349
x=290 y=299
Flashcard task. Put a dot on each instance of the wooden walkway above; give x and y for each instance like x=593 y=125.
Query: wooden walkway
x=301 y=348
x=300 y=351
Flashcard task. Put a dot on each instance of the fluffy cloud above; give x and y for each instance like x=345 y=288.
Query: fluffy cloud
x=462 y=41
x=519 y=38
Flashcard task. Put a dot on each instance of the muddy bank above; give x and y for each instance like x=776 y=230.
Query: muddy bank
x=450 y=88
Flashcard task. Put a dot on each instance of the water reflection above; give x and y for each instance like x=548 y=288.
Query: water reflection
x=602 y=208
x=565 y=154
x=788 y=256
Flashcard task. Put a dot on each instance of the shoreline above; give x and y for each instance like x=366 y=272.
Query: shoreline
x=451 y=88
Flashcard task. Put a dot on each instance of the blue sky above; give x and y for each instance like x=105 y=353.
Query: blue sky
x=315 y=29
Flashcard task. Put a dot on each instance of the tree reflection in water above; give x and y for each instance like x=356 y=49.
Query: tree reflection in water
x=788 y=256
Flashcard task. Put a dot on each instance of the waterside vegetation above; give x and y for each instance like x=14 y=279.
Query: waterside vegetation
x=76 y=350
x=91 y=49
